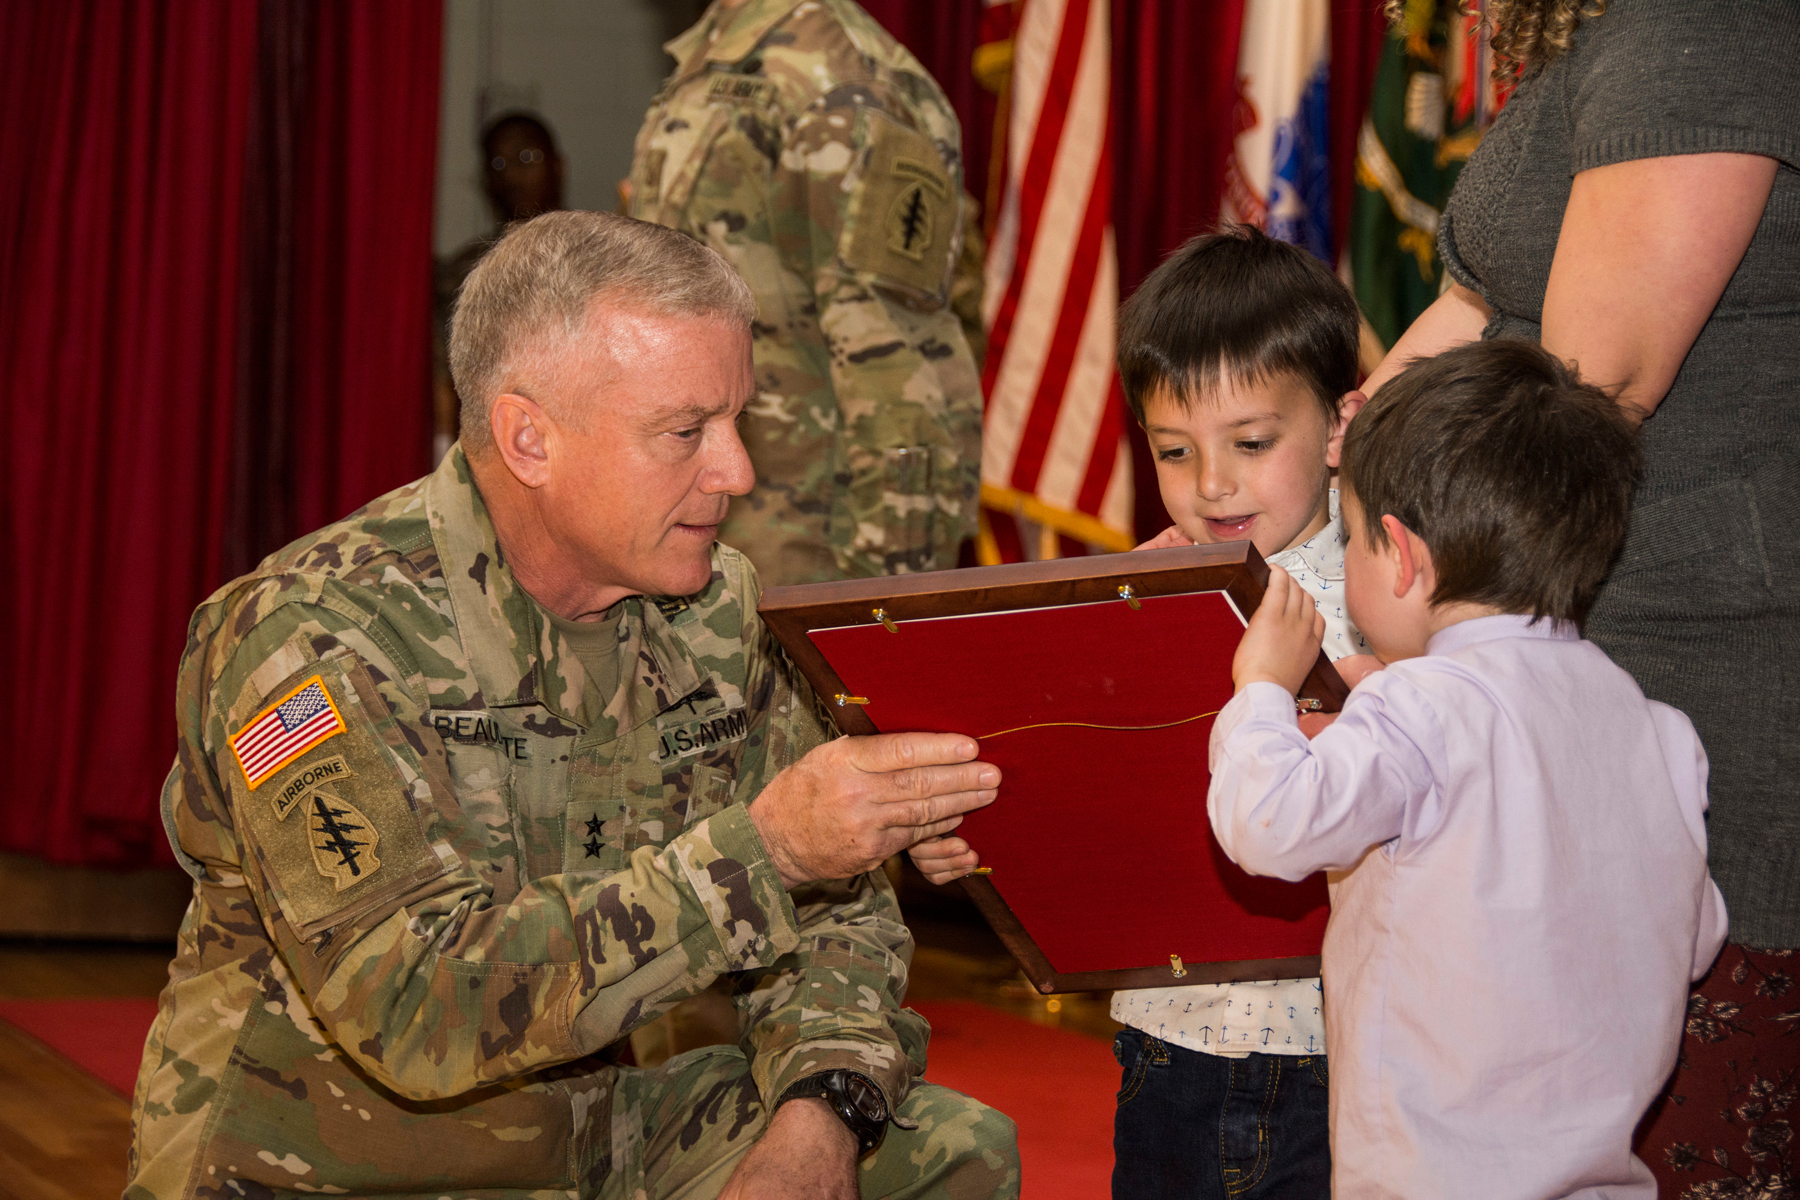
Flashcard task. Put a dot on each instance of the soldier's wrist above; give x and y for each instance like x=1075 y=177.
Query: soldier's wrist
x=813 y=1118
x=767 y=824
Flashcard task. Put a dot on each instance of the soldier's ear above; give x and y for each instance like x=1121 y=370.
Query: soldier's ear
x=519 y=430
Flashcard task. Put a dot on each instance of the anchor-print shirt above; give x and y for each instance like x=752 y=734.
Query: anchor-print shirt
x=1278 y=1016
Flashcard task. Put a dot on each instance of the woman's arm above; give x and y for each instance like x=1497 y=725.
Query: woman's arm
x=1457 y=316
x=1645 y=252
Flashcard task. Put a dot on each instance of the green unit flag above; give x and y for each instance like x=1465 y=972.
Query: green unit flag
x=1432 y=102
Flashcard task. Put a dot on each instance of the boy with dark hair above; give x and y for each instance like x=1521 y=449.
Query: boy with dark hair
x=1238 y=356
x=1524 y=895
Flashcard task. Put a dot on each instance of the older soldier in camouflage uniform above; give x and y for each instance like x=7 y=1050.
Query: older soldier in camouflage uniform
x=804 y=144
x=504 y=765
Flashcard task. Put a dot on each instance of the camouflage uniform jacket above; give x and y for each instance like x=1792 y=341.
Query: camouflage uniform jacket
x=413 y=942
x=810 y=149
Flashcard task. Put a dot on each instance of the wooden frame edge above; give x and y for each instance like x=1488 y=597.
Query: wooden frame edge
x=1049 y=981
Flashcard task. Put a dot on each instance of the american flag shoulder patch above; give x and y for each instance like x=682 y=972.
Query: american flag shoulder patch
x=285 y=730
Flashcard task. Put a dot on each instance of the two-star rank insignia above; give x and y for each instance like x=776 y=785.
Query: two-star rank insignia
x=343 y=840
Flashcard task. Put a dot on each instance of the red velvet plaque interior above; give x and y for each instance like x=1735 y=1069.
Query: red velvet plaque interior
x=1099 y=841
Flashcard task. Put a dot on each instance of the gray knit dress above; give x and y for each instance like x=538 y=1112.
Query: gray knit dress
x=1703 y=607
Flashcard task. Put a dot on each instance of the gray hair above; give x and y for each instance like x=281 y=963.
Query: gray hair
x=544 y=275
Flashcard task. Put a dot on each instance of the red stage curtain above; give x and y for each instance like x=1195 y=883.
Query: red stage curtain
x=127 y=277
x=120 y=212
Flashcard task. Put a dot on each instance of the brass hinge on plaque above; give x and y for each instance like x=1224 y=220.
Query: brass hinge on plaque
x=843 y=699
x=881 y=615
x=1129 y=595
x=1175 y=967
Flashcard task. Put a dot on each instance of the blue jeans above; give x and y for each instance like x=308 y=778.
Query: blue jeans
x=1193 y=1125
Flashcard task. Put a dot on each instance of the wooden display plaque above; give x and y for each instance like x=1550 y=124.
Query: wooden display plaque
x=1092 y=684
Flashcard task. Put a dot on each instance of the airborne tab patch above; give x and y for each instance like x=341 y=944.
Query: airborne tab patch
x=285 y=730
x=301 y=785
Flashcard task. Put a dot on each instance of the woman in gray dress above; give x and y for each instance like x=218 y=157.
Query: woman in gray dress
x=1636 y=208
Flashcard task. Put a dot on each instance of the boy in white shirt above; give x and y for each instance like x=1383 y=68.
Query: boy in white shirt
x=1524 y=895
x=1238 y=356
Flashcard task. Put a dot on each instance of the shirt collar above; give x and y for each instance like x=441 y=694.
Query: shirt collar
x=722 y=36
x=514 y=653
x=1323 y=552
x=1492 y=629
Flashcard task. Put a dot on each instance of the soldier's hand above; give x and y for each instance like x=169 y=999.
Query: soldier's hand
x=942 y=859
x=851 y=803
x=806 y=1153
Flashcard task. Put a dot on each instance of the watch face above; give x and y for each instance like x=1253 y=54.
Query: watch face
x=866 y=1097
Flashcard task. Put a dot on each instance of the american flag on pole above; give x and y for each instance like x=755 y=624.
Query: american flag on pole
x=1054 y=456
x=287 y=729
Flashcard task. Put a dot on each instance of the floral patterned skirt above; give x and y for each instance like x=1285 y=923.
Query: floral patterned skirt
x=1723 y=1126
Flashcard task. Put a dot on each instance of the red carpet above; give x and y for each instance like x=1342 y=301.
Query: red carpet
x=1057 y=1085
x=105 y=1037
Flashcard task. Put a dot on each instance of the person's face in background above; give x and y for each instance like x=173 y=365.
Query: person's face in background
x=523 y=172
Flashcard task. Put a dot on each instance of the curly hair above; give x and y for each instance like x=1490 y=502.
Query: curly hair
x=1526 y=34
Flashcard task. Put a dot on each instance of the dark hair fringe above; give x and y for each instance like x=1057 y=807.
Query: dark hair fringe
x=1237 y=303
x=1513 y=472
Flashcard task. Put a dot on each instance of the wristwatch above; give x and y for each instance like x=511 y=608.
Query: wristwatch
x=854 y=1097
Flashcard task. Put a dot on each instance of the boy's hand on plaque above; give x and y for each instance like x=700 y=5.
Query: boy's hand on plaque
x=944 y=859
x=1172 y=536
x=850 y=804
x=1282 y=641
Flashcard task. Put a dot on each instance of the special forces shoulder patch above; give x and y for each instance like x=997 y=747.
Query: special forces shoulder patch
x=905 y=216
x=343 y=840
x=307 y=782
x=912 y=216
x=285 y=730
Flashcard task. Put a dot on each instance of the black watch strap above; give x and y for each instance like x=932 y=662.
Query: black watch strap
x=854 y=1097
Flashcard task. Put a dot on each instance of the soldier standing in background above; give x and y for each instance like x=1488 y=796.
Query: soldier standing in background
x=810 y=149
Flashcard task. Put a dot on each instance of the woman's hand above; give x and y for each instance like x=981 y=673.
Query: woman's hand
x=1456 y=317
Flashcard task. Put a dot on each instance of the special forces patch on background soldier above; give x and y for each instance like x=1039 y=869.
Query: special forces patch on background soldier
x=810 y=149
